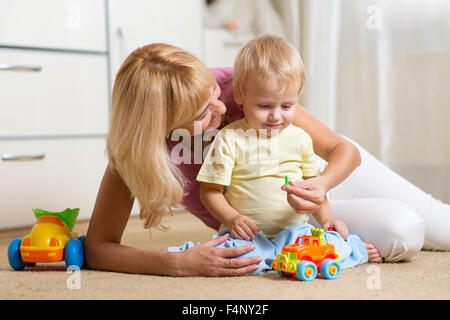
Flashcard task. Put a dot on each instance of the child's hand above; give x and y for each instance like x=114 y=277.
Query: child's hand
x=242 y=227
x=305 y=197
x=339 y=226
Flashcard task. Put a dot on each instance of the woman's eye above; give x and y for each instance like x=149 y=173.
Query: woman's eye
x=203 y=114
x=286 y=106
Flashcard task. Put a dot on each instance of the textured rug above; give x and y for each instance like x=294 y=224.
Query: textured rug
x=426 y=276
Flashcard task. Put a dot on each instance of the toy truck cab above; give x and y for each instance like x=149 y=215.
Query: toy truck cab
x=46 y=241
x=302 y=260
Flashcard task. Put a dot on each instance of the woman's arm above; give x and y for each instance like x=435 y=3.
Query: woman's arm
x=343 y=157
x=240 y=226
x=103 y=249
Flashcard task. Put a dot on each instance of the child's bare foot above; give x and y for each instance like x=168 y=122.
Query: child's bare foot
x=373 y=253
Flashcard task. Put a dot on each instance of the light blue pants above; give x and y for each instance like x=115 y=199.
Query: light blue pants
x=351 y=251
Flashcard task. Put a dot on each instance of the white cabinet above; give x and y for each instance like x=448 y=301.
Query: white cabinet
x=222 y=46
x=136 y=23
x=58 y=59
x=54 y=174
x=53 y=106
x=52 y=93
x=58 y=24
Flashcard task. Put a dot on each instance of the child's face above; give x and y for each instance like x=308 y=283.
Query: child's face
x=266 y=106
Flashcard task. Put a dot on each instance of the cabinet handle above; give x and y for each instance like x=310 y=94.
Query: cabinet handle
x=22 y=157
x=16 y=67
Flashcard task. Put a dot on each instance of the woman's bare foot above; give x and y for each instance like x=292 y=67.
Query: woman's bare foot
x=373 y=253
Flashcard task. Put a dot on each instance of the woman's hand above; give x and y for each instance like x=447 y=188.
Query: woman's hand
x=306 y=196
x=207 y=260
x=242 y=227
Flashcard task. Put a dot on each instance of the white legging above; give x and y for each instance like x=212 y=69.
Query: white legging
x=383 y=208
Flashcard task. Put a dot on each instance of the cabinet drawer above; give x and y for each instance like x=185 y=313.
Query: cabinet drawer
x=68 y=94
x=68 y=176
x=222 y=46
x=62 y=24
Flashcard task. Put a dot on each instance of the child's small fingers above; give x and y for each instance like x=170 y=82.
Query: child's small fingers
x=344 y=235
x=252 y=228
x=343 y=231
x=255 y=229
x=241 y=234
x=235 y=234
x=302 y=206
x=248 y=231
x=300 y=192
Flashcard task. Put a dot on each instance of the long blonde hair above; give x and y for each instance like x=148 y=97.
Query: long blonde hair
x=157 y=89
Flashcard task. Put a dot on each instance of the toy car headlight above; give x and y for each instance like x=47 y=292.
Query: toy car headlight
x=26 y=242
x=54 y=242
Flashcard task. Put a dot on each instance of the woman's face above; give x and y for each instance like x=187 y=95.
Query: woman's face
x=210 y=114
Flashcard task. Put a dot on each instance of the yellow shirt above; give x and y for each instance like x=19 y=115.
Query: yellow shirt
x=252 y=168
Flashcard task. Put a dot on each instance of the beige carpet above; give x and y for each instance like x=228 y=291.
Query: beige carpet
x=426 y=276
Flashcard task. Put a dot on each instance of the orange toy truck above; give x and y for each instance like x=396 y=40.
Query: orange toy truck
x=302 y=260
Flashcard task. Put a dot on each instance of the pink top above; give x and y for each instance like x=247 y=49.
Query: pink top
x=192 y=203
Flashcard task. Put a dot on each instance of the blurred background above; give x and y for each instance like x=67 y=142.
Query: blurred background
x=377 y=71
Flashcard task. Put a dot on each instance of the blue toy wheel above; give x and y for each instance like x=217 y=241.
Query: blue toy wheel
x=14 y=258
x=306 y=271
x=330 y=269
x=74 y=254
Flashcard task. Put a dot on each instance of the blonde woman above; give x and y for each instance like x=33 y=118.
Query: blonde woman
x=161 y=88
x=158 y=89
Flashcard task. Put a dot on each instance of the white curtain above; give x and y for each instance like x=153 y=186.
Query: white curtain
x=288 y=10
x=378 y=71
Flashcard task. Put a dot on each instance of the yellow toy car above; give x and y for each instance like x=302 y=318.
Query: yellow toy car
x=50 y=240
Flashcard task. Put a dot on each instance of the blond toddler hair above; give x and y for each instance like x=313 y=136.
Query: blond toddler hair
x=266 y=56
